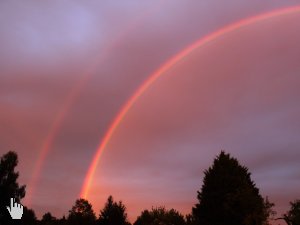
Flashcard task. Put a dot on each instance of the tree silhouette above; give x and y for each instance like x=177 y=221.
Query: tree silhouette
x=28 y=217
x=113 y=213
x=62 y=221
x=160 y=216
x=9 y=187
x=268 y=211
x=48 y=219
x=292 y=217
x=190 y=220
x=81 y=213
x=228 y=195
x=294 y=213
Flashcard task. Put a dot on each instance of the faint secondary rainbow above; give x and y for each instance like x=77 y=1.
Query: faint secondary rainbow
x=160 y=71
x=73 y=95
x=53 y=131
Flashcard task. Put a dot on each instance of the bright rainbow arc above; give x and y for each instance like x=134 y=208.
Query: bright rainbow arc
x=160 y=71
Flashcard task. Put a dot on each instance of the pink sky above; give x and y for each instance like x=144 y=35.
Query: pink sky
x=239 y=93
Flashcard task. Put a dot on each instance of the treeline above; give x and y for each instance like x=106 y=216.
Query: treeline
x=228 y=196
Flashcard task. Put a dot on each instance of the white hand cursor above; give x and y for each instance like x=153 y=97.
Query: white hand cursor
x=15 y=210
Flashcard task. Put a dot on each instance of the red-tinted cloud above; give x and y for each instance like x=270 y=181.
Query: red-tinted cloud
x=47 y=47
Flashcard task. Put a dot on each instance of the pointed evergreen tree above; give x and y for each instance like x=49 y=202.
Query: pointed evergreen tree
x=113 y=213
x=228 y=195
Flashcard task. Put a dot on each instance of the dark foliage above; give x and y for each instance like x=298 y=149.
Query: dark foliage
x=269 y=213
x=292 y=217
x=9 y=187
x=160 y=216
x=113 y=213
x=48 y=219
x=81 y=213
x=28 y=217
x=294 y=213
x=190 y=220
x=228 y=196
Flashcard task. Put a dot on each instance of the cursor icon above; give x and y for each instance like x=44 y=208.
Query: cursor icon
x=15 y=210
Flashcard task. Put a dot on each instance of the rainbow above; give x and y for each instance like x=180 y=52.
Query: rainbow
x=160 y=71
x=73 y=95
x=53 y=131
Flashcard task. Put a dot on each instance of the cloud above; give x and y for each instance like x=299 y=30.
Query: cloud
x=47 y=48
x=227 y=95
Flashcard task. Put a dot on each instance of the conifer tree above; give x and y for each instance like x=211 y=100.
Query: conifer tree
x=113 y=213
x=228 y=195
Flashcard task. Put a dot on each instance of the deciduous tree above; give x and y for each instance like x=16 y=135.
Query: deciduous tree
x=160 y=216
x=81 y=213
x=292 y=217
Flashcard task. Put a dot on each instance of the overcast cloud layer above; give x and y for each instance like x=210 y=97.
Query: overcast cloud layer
x=239 y=94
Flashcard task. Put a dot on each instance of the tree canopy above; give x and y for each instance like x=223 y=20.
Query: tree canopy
x=292 y=217
x=29 y=217
x=294 y=213
x=113 y=213
x=9 y=187
x=160 y=216
x=48 y=219
x=81 y=213
x=228 y=196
